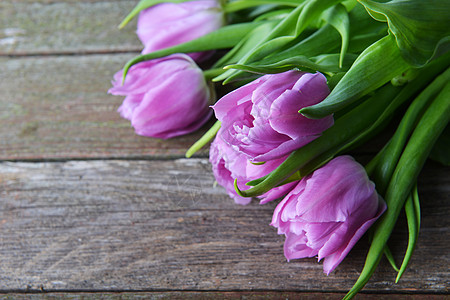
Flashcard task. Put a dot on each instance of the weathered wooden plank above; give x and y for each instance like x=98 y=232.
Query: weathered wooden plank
x=162 y=225
x=216 y=295
x=58 y=107
x=61 y=1
x=46 y=27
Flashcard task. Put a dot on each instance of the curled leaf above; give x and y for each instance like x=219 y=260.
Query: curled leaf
x=419 y=27
x=324 y=63
x=377 y=65
x=337 y=17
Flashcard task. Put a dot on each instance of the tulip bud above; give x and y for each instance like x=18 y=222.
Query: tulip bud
x=169 y=24
x=164 y=97
x=328 y=212
x=261 y=119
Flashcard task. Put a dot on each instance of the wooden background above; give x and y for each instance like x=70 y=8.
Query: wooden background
x=89 y=209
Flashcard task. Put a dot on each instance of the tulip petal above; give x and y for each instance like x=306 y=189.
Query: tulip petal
x=333 y=260
x=229 y=165
x=328 y=212
x=268 y=126
x=334 y=191
x=295 y=247
x=159 y=91
x=169 y=24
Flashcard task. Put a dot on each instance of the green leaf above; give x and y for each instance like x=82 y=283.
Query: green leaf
x=274 y=14
x=247 y=43
x=284 y=27
x=412 y=210
x=364 y=32
x=324 y=63
x=337 y=17
x=144 y=4
x=377 y=65
x=286 y=31
x=291 y=28
x=322 y=41
x=419 y=26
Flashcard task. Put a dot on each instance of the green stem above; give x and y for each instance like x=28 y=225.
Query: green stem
x=211 y=73
x=209 y=135
x=223 y=38
x=390 y=258
x=405 y=175
x=393 y=150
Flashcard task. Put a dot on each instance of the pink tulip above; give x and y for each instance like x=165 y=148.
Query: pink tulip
x=228 y=165
x=164 y=97
x=328 y=212
x=261 y=119
x=168 y=24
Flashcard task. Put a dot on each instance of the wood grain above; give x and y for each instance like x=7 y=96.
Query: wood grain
x=145 y=225
x=163 y=225
x=215 y=295
x=55 y=27
x=58 y=107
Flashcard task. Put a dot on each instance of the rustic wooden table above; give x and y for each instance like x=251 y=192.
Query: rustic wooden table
x=87 y=208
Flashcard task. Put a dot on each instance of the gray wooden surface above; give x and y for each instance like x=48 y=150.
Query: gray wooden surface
x=88 y=209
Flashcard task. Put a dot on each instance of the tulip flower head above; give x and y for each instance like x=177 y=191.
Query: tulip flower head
x=261 y=119
x=164 y=97
x=168 y=24
x=228 y=165
x=328 y=212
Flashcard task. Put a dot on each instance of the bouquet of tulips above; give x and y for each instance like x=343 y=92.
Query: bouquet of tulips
x=310 y=80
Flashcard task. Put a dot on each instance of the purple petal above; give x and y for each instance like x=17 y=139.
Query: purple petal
x=169 y=24
x=334 y=191
x=333 y=260
x=295 y=247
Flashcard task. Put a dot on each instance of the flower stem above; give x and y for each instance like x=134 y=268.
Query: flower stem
x=412 y=210
x=432 y=123
x=390 y=155
x=209 y=135
x=243 y=4
x=211 y=73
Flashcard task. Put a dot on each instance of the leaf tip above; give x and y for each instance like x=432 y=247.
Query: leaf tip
x=238 y=191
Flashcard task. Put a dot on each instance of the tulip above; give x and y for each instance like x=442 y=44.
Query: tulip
x=169 y=24
x=261 y=119
x=164 y=97
x=328 y=212
x=228 y=165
